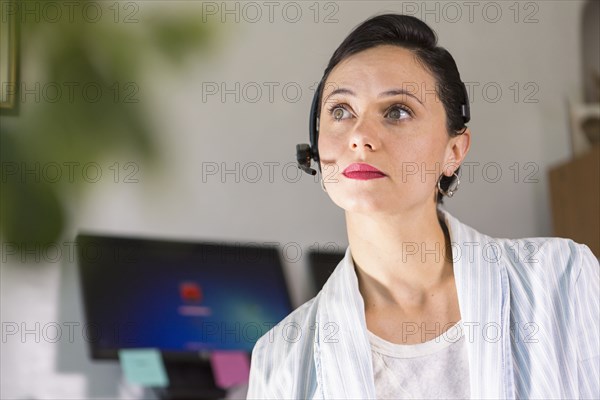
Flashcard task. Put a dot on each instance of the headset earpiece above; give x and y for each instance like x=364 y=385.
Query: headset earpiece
x=305 y=152
x=303 y=156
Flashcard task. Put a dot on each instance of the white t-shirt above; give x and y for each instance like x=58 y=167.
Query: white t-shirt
x=436 y=369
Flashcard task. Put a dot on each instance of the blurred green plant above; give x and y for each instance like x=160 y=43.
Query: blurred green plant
x=77 y=127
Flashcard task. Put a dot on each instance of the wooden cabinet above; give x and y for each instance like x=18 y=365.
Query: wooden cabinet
x=575 y=199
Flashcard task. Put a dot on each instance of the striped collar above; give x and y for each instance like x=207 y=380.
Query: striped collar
x=483 y=296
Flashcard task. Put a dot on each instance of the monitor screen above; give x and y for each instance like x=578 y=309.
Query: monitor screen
x=322 y=264
x=180 y=297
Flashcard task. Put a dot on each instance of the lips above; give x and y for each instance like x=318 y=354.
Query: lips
x=362 y=171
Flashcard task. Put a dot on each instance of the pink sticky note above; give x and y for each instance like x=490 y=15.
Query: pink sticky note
x=230 y=368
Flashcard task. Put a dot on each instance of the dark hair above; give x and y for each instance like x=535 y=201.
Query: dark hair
x=413 y=34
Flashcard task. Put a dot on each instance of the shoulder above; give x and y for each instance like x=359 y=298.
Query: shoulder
x=553 y=260
x=291 y=329
x=550 y=253
x=554 y=253
x=545 y=263
x=285 y=348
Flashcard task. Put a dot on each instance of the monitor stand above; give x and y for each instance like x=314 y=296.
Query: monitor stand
x=190 y=380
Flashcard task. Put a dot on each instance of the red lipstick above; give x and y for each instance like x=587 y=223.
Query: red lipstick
x=362 y=171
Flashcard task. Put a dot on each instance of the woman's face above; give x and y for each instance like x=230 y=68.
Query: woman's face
x=380 y=107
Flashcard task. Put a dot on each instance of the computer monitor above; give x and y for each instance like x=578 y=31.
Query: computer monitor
x=321 y=264
x=182 y=298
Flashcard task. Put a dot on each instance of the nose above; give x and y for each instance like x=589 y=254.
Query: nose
x=364 y=136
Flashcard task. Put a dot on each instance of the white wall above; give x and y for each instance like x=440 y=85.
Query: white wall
x=175 y=202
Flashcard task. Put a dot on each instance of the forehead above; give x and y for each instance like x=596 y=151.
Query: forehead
x=380 y=68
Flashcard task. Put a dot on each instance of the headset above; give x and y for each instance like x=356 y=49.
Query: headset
x=307 y=152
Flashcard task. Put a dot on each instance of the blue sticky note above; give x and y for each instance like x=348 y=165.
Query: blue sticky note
x=143 y=367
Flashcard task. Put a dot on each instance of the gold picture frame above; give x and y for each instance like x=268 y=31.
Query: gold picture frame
x=9 y=57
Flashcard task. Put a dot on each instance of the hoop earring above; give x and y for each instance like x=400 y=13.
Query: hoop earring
x=449 y=192
x=323 y=185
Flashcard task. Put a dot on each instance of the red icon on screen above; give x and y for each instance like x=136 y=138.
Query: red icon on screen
x=190 y=292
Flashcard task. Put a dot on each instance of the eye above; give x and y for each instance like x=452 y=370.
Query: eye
x=339 y=112
x=398 y=112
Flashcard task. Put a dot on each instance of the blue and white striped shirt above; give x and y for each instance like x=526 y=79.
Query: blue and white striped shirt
x=530 y=309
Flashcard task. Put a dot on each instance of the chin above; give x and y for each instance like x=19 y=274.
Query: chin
x=364 y=203
x=377 y=200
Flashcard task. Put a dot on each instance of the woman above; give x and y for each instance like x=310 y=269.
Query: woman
x=423 y=306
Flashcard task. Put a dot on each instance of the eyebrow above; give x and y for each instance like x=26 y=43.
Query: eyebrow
x=387 y=93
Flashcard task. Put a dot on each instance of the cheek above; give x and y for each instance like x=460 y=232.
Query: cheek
x=330 y=153
x=417 y=160
x=330 y=148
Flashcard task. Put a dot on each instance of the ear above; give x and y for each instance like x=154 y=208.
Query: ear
x=456 y=151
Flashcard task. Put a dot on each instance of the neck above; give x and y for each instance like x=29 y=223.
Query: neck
x=400 y=259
